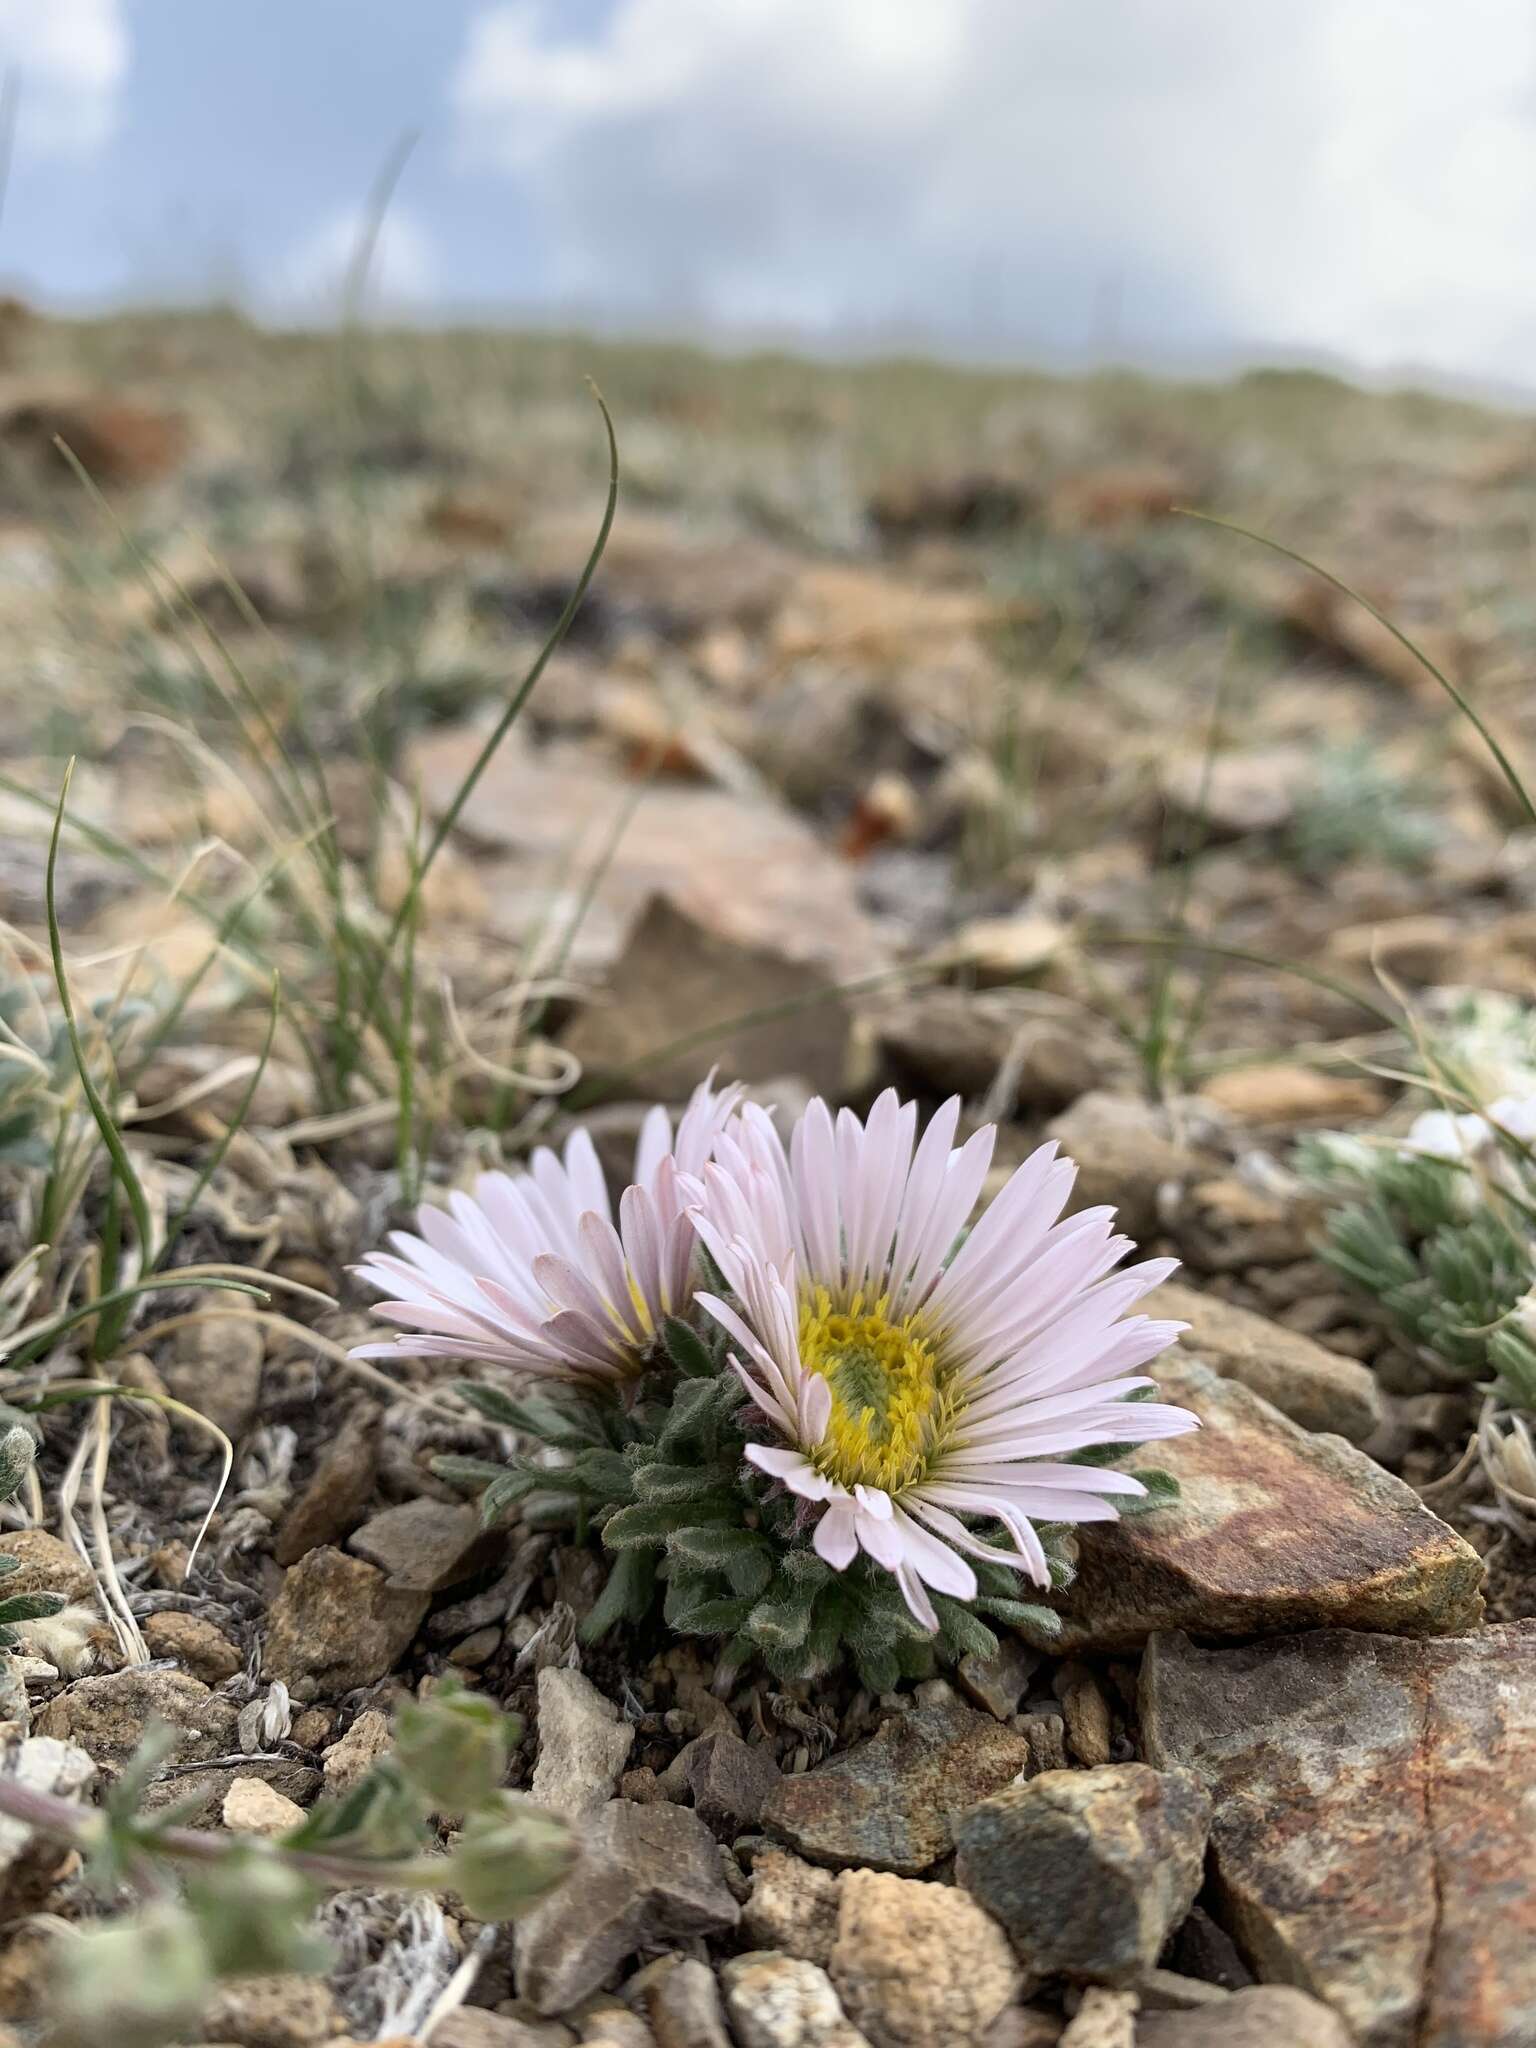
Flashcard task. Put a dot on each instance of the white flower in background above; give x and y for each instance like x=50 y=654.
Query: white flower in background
x=911 y=1384
x=530 y=1272
x=1442 y=1134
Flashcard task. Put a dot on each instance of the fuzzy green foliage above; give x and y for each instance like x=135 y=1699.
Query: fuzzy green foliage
x=1445 y=1251
x=1356 y=808
x=712 y=1547
x=245 y=1906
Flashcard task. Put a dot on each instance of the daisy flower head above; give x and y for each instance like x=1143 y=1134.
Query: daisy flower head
x=531 y=1271
x=913 y=1383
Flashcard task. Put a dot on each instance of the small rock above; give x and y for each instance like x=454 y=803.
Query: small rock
x=793 y=1907
x=1088 y=1871
x=107 y=1715
x=1168 y=1991
x=892 y=1803
x=1105 y=2019
x=194 y=1642
x=1045 y=1735
x=427 y=1545
x=779 y=2001
x=30 y=1863
x=354 y=1756
x=731 y=1781
x=253 y=1807
x=272 y=2012
x=1293 y=1095
x=949 y=1041
x=1128 y=1156
x=918 y=1965
x=642 y=1786
x=1275 y=1530
x=583 y=1745
x=471 y=2026
x=1085 y=1711
x=332 y=1503
x=1023 y=2026
x=676 y=971
x=1313 y=1386
x=215 y=1367
x=1369 y=1837
x=996 y=951
x=475 y=1651
x=684 y=2007
x=336 y=1626
x=45 y=1565
x=648 y=1874
x=1254 y=789
x=1000 y=1681
x=1268 y=2016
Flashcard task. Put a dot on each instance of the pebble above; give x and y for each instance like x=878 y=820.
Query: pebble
x=336 y=1626
x=107 y=1715
x=1085 y=1711
x=779 y=2001
x=272 y=2012
x=332 y=1503
x=253 y=1807
x=683 y=2004
x=355 y=1754
x=45 y=1565
x=426 y=1545
x=1268 y=2016
x=731 y=1782
x=472 y=2026
x=892 y=1803
x=30 y=1863
x=1088 y=1871
x=648 y=1874
x=583 y=1745
x=1000 y=1681
x=194 y=1642
x=793 y=1907
x=918 y=1965
x=1105 y=2019
x=215 y=1367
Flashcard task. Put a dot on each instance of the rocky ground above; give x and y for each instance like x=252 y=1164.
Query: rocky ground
x=902 y=724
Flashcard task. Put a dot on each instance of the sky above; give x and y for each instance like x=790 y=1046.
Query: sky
x=1159 y=181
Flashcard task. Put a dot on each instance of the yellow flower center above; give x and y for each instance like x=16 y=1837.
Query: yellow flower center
x=890 y=1407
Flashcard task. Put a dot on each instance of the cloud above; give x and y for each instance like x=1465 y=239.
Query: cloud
x=1348 y=175
x=402 y=270
x=70 y=58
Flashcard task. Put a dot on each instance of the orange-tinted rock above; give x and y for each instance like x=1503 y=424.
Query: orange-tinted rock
x=1275 y=1529
x=1374 y=1838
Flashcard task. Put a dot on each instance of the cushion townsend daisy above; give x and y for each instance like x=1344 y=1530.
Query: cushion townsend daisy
x=529 y=1272
x=909 y=1385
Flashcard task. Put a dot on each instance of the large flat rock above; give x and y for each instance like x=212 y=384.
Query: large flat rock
x=1374 y=1835
x=739 y=865
x=1277 y=1530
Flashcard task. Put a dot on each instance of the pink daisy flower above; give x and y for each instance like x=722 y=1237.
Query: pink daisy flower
x=530 y=1272
x=911 y=1384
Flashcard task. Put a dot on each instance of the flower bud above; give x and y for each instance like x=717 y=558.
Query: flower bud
x=509 y=1856
x=133 y=1985
x=453 y=1748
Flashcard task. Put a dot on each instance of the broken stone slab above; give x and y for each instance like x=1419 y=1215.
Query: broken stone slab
x=647 y=1875
x=893 y=1803
x=333 y=1502
x=1088 y=1872
x=730 y=1781
x=679 y=976
x=1275 y=1530
x=1318 y=1388
x=739 y=865
x=426 y=1545
x=1373 y=1839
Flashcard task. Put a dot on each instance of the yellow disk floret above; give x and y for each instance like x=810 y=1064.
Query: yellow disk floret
x=890 y=1410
